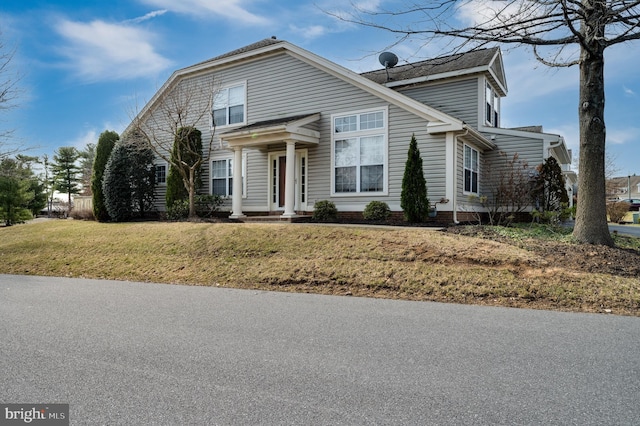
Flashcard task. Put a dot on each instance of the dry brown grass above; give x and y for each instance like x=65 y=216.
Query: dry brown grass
x=405 y=263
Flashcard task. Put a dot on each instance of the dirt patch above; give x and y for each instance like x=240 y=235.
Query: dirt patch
x=569 y=257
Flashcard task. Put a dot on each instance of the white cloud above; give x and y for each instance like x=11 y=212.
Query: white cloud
x=628 y=92
x=621 y=136
x=146 y=17
x=230 y=9
x=100 y=50
x=81 y=141
x=309 y=32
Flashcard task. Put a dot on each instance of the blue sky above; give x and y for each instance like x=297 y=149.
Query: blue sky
x=86 y=64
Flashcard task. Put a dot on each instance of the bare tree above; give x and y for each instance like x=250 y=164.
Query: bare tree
x=8 y=94
x=167 y=119
x=561 y=33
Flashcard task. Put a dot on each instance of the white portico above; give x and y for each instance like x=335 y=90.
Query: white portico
x=286 y=134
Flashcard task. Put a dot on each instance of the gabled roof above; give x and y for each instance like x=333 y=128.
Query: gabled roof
x=254 y=46
x=437 y=121
x=475 y=61
x=274 y=131
x=271 y=123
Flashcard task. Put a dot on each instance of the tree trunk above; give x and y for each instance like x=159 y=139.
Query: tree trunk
x=591 y=216
x=192 y=193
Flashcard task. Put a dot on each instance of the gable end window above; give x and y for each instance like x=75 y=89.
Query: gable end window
x=471 y=168
x=359 y=153
x=229 y=105
x=492 y=106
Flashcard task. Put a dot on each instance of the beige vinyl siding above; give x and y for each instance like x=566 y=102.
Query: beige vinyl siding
x=529 y=150
x=458 y=98
x=280 y=86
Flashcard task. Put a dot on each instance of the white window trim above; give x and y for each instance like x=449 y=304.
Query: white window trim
x=166 y=172
x=228 y=86
x=464 y=153
x=495 y=105
x=227 y=158
x=384 y=131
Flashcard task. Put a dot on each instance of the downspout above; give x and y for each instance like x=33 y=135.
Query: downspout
x=454 y=204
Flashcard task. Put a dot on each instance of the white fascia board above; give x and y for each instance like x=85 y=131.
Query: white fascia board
x=502 y=87
x=440 y=76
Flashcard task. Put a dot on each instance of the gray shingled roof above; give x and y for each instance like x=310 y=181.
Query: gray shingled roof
x=260 y=44
x=457 y=62
x=270 y=123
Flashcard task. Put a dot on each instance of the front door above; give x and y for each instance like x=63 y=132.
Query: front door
x=278 y=178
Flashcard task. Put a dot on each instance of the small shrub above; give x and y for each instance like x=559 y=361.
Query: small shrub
x=178 y=210
x=376 y=210
x=207 y=205
x=325 y=211
x=84 y=214
x=617 y=211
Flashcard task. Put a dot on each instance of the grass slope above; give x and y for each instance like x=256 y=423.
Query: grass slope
x=404 y=263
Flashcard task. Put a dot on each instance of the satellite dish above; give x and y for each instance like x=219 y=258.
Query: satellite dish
x=388 y=59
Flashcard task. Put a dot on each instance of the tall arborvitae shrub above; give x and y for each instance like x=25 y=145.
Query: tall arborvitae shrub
x=187 y=150
x=106 y=142
x=129 y=181
x=549 y=191
x=116 y=185
x=413 y=199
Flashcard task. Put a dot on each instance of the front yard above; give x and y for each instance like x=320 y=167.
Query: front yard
x=531 y=267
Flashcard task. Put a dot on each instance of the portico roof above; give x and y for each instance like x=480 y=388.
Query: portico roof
x=273 y=131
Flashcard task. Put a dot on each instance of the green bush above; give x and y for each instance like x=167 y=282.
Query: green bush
x=325 y=211
x=178 y=210
x=377 y=210
x=207 y=205
x=413 y=198
x=106 y=143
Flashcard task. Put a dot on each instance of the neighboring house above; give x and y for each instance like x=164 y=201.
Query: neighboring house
x=299 y=128
x=623 y=187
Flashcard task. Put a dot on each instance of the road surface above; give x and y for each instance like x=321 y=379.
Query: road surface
x=123 y=353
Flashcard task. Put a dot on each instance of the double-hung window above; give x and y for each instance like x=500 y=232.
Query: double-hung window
x=161 y=174
x=471 y=168
x=222 y=177
x=359 y=152
x=492 y=106
x=229 y=105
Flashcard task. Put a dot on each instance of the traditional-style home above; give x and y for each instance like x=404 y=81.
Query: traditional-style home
x=292 y=128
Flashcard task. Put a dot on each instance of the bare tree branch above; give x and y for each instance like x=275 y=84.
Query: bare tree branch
x=9 y=92
x=176 y=111
x=549 y=26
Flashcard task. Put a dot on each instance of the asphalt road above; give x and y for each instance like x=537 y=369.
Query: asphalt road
x=631 y=230
x=135 y=353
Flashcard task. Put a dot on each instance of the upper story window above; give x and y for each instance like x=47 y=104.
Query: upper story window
x=492 y=106
x=229 y=105
x=471 y=169
x=161 y=174
x=359 y=152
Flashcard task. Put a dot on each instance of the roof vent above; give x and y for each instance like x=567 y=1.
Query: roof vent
x=388 y=60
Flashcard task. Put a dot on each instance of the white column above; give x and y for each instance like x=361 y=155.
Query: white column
x=236 y=198
x=290 y=183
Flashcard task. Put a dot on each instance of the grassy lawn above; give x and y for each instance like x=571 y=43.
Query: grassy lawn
x=403 y=263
